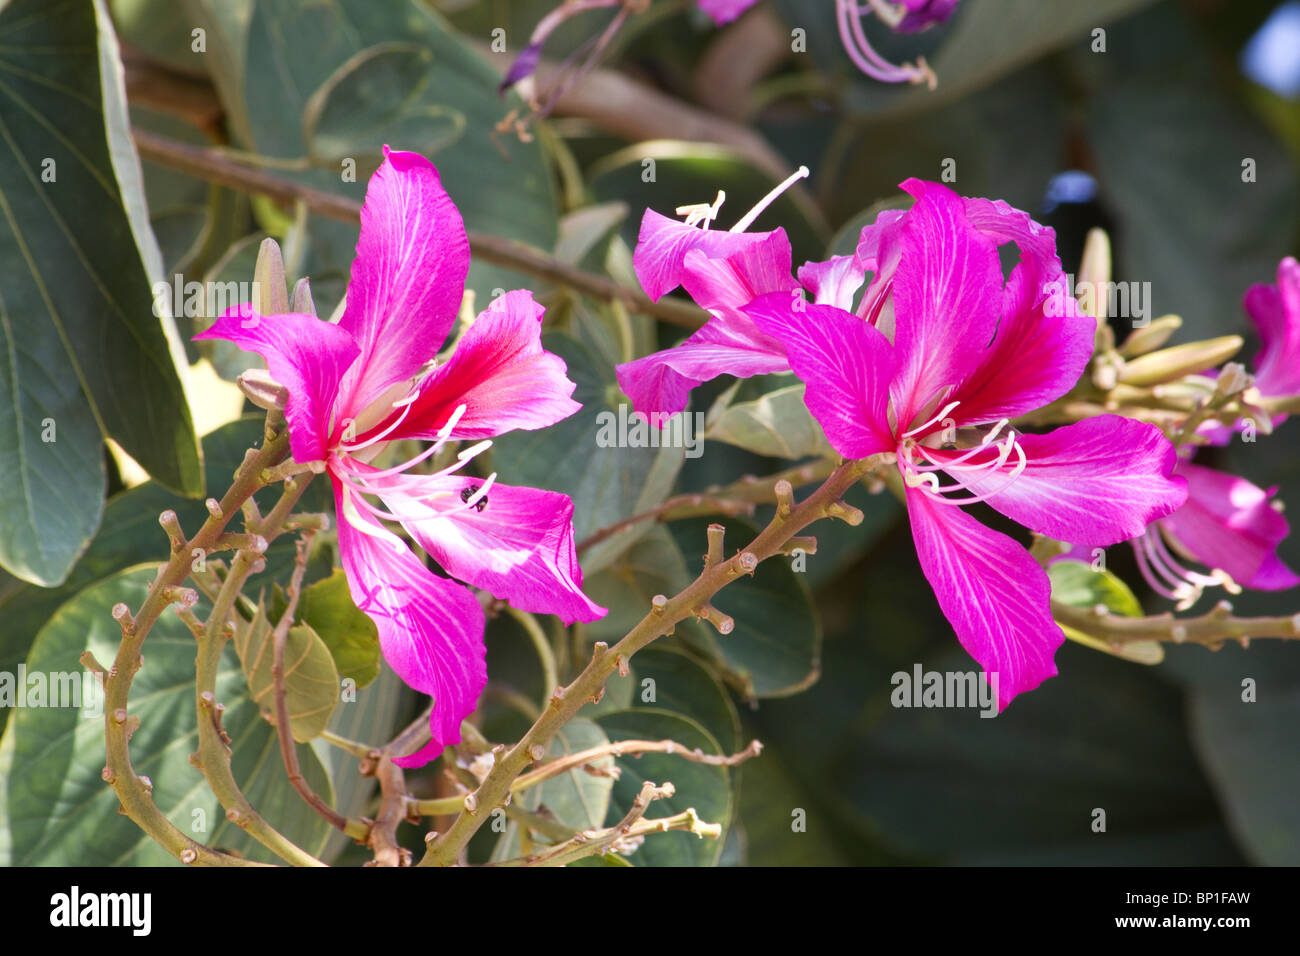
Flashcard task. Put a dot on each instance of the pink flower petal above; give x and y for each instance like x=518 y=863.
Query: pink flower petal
x=662 y=382
x=430 y=628
x=1275 y=311
x=994 y=594
x=500 y=372
x=307 y=355
x=1228 y=523
x=663 y=243
x=730 y=343
x=407 y=278
x=846 y=365
x=1094 y=483
x=725 y=284
x=947 y=299
x=1036 y=356
x=922 y=14
x=519 y=547
x=833 y=282
x=724 y=11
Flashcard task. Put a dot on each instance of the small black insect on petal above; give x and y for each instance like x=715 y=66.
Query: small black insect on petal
x=468 y=492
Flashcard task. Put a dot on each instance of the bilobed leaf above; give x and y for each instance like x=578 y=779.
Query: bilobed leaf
x=56 y=810
x=129 y=535
x=653 y=565
x=311 y=682
x=684 y=685
x=82 y=353
x=350 y=634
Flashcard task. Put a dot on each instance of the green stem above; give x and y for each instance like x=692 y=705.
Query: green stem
x=214 y=753
x=133 y=790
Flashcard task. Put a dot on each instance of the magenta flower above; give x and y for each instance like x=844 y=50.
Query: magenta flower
x=1275 y=312
x=723 y=272
x=375 y=378
x=726 y=271
x=1229 y=525
x=953 y=355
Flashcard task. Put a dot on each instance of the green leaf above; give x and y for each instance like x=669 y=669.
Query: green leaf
x=1076 y=583
x=606 y=484
x=56 y=810
x=350 y=634
x=777 y=425
x=311 y=682
x=378 y=86
x=684 y=685
x=775 y=648
x=300 y=77
x=81 y=352
x=130 y=535
x=704 y=787
x=577 y=798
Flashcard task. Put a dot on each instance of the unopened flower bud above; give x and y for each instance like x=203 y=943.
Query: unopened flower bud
x=262 y=390
x=1168 y=365
x=1150 y=337
x=270 y=287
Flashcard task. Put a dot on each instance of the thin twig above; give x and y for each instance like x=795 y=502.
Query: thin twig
x=214 y=166
x=665 y=613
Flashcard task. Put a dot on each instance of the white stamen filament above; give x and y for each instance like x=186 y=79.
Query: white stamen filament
x=943 y=412
x=1157 y=563
x=767 y=200
x=921 y=474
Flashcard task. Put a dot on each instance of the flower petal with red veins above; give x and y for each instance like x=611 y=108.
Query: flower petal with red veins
x=500 y=372
x=407 y=278
x=947 y=299
x=1036 y=356
x=307 y=355
x=1096 y=482
x=997 y=597
x=430 y=628
x=663 y=243
x=846 y=366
